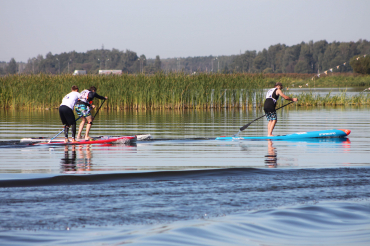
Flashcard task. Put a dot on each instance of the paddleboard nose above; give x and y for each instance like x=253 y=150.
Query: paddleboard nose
x=346 y=131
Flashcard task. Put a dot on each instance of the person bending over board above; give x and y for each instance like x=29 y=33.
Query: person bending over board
x=66 y=113
x=83 y=108
x=272 y=96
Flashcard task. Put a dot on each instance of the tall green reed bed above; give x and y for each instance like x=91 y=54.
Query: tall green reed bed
x=310 y=99
x=160 y=91
x=176 y=90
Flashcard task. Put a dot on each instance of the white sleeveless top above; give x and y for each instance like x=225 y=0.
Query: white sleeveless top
x=270 y=93
x=84 y=96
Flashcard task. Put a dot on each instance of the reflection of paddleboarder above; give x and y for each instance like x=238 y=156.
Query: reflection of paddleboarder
x=84 y=159
x=69 y=163
x=78 y=161
x=271 y=160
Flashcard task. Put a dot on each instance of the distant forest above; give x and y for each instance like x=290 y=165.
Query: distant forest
x=311 y=57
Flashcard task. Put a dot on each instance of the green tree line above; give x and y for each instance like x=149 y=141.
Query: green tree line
x=311 y=57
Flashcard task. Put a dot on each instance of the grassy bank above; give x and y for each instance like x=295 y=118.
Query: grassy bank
x=175 y=91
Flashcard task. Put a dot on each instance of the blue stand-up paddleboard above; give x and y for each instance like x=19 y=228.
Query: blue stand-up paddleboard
x=334 y=133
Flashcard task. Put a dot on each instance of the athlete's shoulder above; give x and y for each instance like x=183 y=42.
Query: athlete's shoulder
x=84 y=94
x=74 y=94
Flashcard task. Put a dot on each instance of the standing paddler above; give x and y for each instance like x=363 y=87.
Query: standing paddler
x=83 y=109
x=66 y=113
x=272 y=96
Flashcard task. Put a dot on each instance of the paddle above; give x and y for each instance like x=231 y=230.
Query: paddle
x=62 y=131
x=98 y=109
x=245 y=126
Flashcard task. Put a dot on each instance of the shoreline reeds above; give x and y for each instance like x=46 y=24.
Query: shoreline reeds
x=169 y=91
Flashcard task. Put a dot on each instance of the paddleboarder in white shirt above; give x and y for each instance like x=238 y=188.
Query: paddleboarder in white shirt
x=66 y=113
x=272 y=96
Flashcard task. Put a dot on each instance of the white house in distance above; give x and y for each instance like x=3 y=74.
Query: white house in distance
x=110 y=71
x=79 y=72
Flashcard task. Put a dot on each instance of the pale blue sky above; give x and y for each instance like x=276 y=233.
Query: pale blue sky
x=178 y=28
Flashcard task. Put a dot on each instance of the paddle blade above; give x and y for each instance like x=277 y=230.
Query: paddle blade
x=244 y=127
x=236 y=135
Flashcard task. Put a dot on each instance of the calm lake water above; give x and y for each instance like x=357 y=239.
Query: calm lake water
x=183 y=187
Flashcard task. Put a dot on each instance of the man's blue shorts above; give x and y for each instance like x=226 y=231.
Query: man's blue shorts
x=82 y=110
x=271 y=116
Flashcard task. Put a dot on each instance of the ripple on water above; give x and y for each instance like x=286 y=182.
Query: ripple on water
x=327 y=223
x=333 y=223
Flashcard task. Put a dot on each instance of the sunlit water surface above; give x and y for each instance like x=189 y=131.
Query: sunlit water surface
x=183 y=186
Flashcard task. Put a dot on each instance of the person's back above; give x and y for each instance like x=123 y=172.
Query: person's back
x=271 y=99
x=70 y=99
x=84 y=95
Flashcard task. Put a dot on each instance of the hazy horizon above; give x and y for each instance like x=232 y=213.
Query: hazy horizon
x=174 y=29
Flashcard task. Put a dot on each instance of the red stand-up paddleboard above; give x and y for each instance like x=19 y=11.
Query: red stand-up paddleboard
x=99 y=140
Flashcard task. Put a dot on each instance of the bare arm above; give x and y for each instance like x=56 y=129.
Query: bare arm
x=280 y=93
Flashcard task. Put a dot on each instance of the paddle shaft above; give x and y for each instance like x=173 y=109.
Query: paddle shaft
x=62 y=131
x=98 y=109
x=245 y=126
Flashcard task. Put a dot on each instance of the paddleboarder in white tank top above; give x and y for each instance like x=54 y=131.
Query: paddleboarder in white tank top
x=272 y=96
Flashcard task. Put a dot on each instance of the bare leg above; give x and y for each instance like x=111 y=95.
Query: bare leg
x=88 y=127
x=270 y=127
x=81 y=127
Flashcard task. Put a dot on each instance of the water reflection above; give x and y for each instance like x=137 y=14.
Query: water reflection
x=346 y=144
x=329 y=146
x=271 y=157
x=76 y=159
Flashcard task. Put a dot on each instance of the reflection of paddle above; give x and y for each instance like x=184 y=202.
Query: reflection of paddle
x=62 y=131
x=245 y=126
